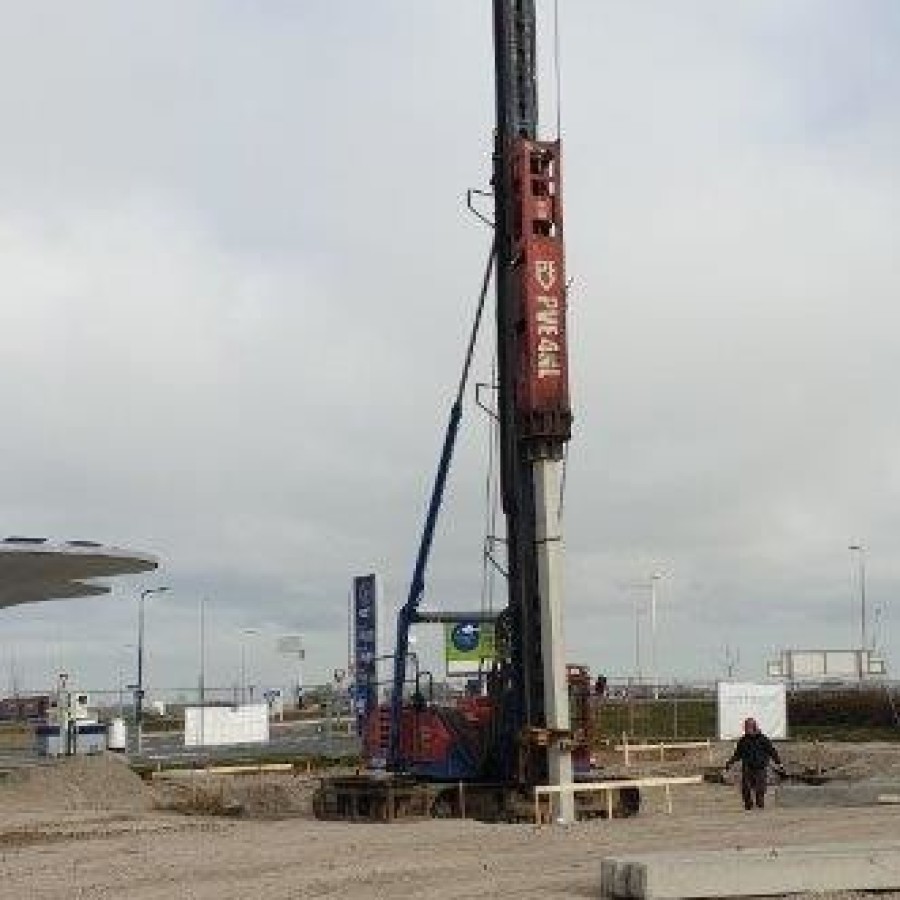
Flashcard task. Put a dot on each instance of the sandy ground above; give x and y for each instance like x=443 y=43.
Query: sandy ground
x=89 y=829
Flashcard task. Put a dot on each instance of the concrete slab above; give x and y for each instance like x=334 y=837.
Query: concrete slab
x=752 y=872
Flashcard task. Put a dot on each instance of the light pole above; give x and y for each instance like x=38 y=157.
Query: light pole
x=860 y=550
x=638 y=675
x=139 y=696
x=201 y=678
x=301 y=655
x=245 y=633
x=291 y=645
x=125 y=651
x=653 y=579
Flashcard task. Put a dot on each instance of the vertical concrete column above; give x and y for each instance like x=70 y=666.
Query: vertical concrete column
x=548 y=534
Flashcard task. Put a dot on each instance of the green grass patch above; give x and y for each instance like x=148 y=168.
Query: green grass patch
x=689 y=719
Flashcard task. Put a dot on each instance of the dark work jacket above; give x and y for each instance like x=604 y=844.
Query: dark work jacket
x=754 y=751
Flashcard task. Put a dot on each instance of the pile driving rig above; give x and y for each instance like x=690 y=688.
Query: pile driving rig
x=481 y=755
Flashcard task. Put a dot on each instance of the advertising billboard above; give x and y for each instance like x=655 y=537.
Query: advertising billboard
x=826 y=665
x=365 y=646
x=767 y=703
x=468 y=647
x=215 y=726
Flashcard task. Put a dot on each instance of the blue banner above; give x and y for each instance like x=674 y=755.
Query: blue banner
x=365 y=629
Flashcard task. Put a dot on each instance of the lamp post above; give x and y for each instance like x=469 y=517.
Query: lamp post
x=291 y=645
x=201 y=676
x=301 y=655
x=125 y=651
x=860 y=550
x=245 y=633
x=643 y=586
x=139 y=696
x=638 y=675
x=653 y=579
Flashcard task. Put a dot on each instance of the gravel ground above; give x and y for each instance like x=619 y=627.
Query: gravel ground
x=113 y=845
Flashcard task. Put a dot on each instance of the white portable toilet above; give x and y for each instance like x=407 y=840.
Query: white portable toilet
x=117 y=739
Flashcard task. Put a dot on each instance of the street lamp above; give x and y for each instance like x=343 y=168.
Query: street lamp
x=139 y=696
x=126 y=650
x=653 y=579
x=860 y=550
x=201 y=676
x=642 y=586
x=291 y=645
x=245 y=633
x=638 y=674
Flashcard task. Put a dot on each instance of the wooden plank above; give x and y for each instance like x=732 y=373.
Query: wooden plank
x=610 y=786
x=677 y=745
x=628 y=749
x=243 y=769
x=648 y=782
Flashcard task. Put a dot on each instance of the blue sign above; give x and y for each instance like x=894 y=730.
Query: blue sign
x=365 y=626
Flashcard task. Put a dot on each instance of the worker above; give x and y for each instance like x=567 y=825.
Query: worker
x=754 y=750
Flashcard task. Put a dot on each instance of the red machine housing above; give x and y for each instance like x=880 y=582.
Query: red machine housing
x=439 y=742
x=542 y=385
x=449 y=742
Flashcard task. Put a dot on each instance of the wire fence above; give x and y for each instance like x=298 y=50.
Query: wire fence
x=673 y=718
x=861 y=712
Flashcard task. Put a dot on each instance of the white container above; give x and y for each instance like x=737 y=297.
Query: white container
x=118 y=736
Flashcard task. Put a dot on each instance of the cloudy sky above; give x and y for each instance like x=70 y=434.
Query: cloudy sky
x=237 y=274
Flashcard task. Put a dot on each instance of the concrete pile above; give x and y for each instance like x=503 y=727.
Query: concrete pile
x=867 y=792
x=752 y=872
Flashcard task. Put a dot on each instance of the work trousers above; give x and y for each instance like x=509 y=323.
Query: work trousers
x=753 y=787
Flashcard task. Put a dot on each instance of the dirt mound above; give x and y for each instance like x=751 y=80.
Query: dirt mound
x=79 y=783
x=256 y=796
x=850 y=761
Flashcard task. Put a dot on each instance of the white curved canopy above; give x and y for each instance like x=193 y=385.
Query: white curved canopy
x=35 y=569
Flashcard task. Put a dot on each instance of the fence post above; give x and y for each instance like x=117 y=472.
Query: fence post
x=675 y=717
